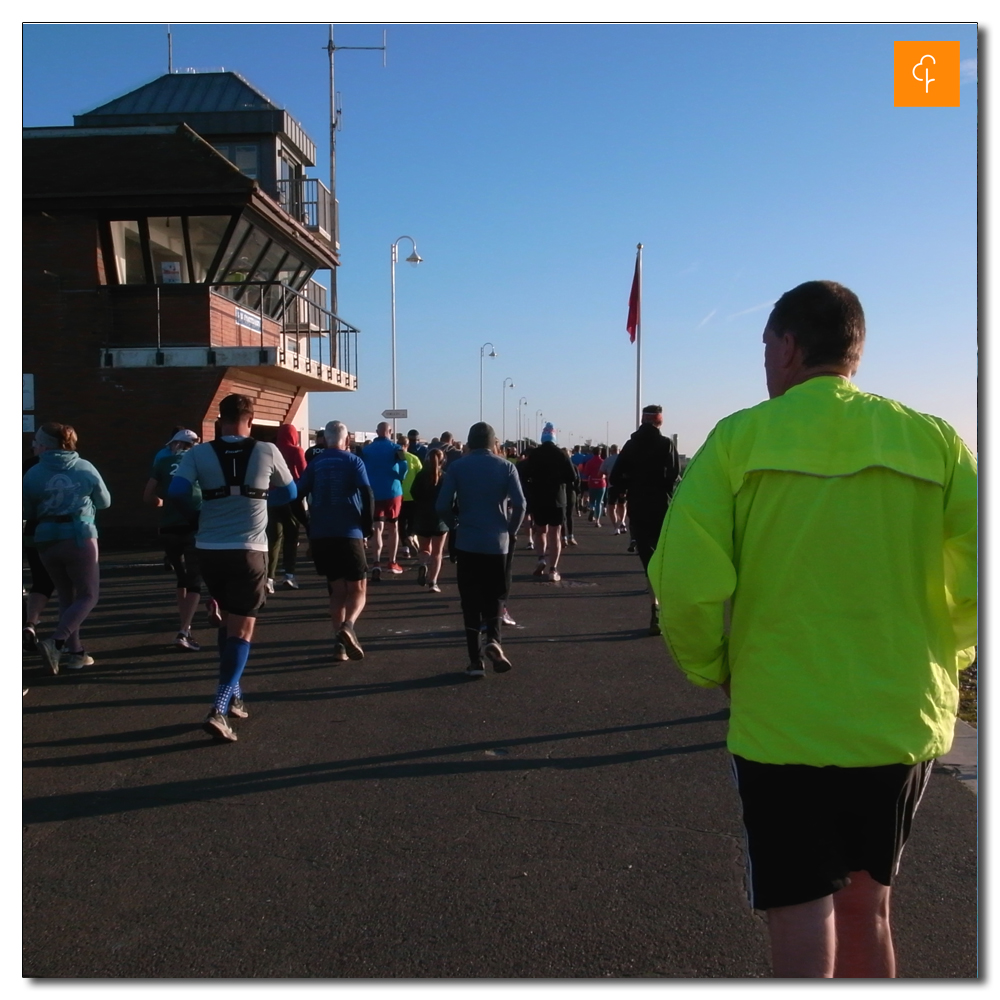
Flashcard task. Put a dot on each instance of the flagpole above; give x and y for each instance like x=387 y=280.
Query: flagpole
x=638 y=338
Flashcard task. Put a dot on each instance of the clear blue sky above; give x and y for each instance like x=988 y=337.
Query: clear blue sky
x=528 y=161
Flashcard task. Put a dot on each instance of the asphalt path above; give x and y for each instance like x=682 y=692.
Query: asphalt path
x=391 y=818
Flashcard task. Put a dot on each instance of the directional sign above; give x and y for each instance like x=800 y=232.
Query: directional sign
x=394 y=414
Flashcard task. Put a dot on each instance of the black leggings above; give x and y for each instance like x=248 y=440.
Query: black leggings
x=41 y=582
x=482 y=583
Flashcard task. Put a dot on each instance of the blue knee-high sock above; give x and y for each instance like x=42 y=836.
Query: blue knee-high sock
x=235 y=653
x=221 y=645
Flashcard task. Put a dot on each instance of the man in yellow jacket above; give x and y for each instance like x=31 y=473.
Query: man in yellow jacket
x=818 y=562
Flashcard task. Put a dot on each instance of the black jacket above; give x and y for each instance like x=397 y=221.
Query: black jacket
x=648 y=468
x=545 y=474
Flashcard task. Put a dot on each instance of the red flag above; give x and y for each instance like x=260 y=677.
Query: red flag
x=633 y=305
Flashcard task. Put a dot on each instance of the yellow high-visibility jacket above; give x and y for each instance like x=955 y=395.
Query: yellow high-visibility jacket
x=840 y=529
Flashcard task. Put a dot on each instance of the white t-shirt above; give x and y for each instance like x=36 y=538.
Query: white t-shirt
x=234 y=522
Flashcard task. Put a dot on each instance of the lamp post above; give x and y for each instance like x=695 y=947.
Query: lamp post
x=538 y=417
x=503 y=392
x=523 y=401
x=482 y=354
x=413 y=259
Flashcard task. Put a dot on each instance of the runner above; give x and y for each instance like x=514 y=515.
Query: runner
x=408 y=544
x=547 y=474
x=60 y=494
x=178 y=524
x=428 y=525
x=615 y=498
x=341 y=515
x=386 y=467
x=647 y=468
x=238 y=477
x=482 y=483
x=597 y=483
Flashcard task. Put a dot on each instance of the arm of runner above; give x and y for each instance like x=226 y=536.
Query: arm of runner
x=445 y=503
x=692 y=571
x=282 y=486
x=304 y=483
x=149 y=494
x=961 y=539
x=367 y=499
x=517 y=502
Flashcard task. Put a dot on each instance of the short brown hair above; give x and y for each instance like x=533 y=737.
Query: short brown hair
x=234 y=407
x=826 y=320
x=65 y=434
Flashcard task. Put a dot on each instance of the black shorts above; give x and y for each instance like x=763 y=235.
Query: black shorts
x=183 y=558
x=615 y=496
x=547 y=514
x=236 y=578
x=808 y=827
x=339 y=558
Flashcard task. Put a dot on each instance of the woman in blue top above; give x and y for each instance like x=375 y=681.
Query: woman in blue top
x=60 y=494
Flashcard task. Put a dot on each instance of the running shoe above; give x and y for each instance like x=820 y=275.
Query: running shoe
x=494 y=653
x=654 y=621
x=50 y=655
x=376 y=574
x=290 y=583
x=237 y=710
x=394 y=568
x=339 y=653
x=77 y=661
x=421 y=575
x=554 y=575
x=185 y=640
x=212 y=610
x=506 y=618
x=571 y=540
x=631 y=545
x=346 y=636
x=270 y=585
x=433 y=587
x=530 y=544
x=475 y=669
x=29 y=640
x=216 y=725
x=539 y=570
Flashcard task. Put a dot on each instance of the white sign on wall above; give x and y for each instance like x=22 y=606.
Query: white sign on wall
x=248 y=319
x=170 y=272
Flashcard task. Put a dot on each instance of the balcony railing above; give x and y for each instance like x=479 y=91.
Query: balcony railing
x=307 y=200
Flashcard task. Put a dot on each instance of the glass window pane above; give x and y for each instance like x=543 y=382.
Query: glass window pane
x=206 y=232
x=245 y=157
x=239 y=270
x=128 y=252
x=166 y=244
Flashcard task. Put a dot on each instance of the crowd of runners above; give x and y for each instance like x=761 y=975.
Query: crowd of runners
x=818 y=563
x=232 y=513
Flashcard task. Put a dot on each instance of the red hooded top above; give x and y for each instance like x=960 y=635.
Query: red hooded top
x=288 y=445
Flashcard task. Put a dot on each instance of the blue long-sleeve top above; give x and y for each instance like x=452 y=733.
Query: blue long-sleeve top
x=61 y=493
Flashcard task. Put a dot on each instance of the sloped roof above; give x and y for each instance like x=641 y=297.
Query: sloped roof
x=195 y=93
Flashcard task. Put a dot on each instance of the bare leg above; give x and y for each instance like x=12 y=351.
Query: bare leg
x=864 y=937
x=553 y=546
x=803 y=939
x=187 y=605
x=35 y=606
x=377 y=539
x=392 y=542
x=347 y=600
x=436 y=557
x=238 y=626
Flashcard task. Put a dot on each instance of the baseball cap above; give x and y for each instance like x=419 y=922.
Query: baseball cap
x=189 y=437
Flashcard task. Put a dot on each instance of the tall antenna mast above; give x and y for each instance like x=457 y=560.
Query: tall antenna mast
x=335 y=112
x=170 y=51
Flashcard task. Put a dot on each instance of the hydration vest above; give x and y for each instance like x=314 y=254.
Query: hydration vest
x=234 y=458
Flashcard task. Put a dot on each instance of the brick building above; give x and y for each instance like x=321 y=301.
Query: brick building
x=170 y=242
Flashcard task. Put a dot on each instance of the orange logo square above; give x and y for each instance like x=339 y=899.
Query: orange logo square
x=925 y=74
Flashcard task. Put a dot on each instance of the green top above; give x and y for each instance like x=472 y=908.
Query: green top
x=172 y=515
x=840 y=528
x=413 y=466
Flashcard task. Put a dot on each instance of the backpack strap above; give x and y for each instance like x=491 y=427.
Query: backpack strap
x=234 y=459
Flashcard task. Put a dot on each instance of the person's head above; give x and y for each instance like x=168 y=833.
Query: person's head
x=602 y=452
x=614 y=450
x=652 y=415
x=816 y=328
x=548 y=434
x=576 y=449
x=54 y=437
x=481 y=435
x=321 y=437
x=335 y=435
x=413 y=435
x=183 y=440
x=236 y=414
x=403 y=441
x=382 y=430
x=446 y=437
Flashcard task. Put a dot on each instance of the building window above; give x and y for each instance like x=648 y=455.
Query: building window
x=166 y=246
x=128 y=252
x=205 y=234
x=243 y=155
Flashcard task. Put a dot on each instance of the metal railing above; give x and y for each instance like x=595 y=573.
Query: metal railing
x=310 y=336
x=307 y=200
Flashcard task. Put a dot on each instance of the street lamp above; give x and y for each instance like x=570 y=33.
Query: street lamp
x=413 y=259
x=523 y=401
x=538 y=417
x=503 y=426
x=482 y=354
